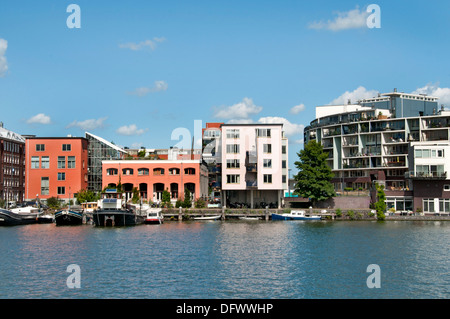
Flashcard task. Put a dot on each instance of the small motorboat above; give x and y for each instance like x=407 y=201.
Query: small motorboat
x=68 y=217
x=249 y=218
x=295 y=215
x=154 y=216
x=208 y=217
x=9 y=218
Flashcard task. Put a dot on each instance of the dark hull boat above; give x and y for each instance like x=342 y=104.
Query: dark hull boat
x=68 y=217
x=116 y=217
x=8 y=218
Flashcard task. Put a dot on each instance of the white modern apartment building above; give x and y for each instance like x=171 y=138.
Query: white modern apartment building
x=254 y=164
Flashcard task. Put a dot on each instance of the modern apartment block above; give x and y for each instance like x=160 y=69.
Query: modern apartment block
x=12 y=166
x=254 y=164
x=397 y=139
x=212 y=155
x=55 y=167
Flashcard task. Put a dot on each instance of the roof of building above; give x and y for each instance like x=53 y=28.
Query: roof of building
x=117 y=148
x=10 y=135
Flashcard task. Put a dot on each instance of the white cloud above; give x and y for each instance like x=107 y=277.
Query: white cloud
x=88 y=125
x=151 y=44
x=353 y=19
x=142 y=91
x=40 y=118
x=291 y=130
x=3 y=62
x=130 y=130
x=240 y=111
x=434 y=90
x=357 y=94
x=297 y=109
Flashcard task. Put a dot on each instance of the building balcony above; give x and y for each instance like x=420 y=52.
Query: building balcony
x=251 y=184
x=426 y=176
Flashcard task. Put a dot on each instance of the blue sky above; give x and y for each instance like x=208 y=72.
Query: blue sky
x=137 y=70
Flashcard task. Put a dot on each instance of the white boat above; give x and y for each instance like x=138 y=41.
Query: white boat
x=249 y=218
x=154 y=216
x=208 y=217
x=295 y=215
x=25 y=210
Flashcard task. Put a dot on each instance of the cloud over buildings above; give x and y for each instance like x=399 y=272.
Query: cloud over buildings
x=352 y=19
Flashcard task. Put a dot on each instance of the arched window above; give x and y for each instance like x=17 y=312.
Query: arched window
x=112 y=171
x=127 y=171
x=158 y=171
x=143 y=171
x=174 y=171
x=189 y=171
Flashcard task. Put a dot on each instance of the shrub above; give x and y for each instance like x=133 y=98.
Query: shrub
x=338 y=212
x=200 y=203
x=351 y=214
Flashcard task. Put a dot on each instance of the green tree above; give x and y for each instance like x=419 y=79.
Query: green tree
x=313 y=180
x=53 y=203
x=136 y=197
x=165 y=201
x=380 y=205
x=84 y=196
x=187 y=203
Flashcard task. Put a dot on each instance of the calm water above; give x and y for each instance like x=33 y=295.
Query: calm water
x=231 y=259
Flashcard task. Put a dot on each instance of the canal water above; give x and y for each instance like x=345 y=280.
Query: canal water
x=228 y=259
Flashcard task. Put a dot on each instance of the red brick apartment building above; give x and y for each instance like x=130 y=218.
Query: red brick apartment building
x=55 y=167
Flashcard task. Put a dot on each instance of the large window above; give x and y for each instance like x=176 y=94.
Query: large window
x=428 y=205
x=233 y=179
x=399 y=203
x=35 y=162
x=444 y=205
x=45 y=162
x=267 y=178
x=40 y=147
x=143 y=171
x=112 y=171
x=267 y=163
x=232 y=133
x=44 y=186
x=61 y=162
x=428 y=153
x=232 y=148
x=267 y=148
x=263 y=132
x=71 y=162
x=233 y=163
x=66 y=147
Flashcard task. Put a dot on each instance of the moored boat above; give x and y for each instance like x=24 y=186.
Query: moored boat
x=208 y=217
x=154 y=216
x=68 y=217
x=110 y=211
x=295 y=215
x=249 y=218
x=9 y=218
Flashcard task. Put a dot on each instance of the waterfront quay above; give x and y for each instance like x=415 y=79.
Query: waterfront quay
x=183 y=214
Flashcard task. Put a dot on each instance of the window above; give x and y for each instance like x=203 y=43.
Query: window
x=40 y=147
x=45 y=162
x=44 y=186
x=283 y=179
x=428 y=205
x=61 y=190
x=158 y=171
x=444 y=205
x=71 y=162
x=61 y=162
x=267 y=148
x=263 y=132
x=189 y=171
x=233 y=179
x=233 y=163
x=66 y=147
x=283 y=164
x=112 y=171
x=232 y=148
x=174 y=171
x=267 y=178
x=447 y=187
x=127 y=171
x=267 y=163
x=143 y=171
x=35 y=162
x=232 y=133
x=61 y=176
x=283 y=149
